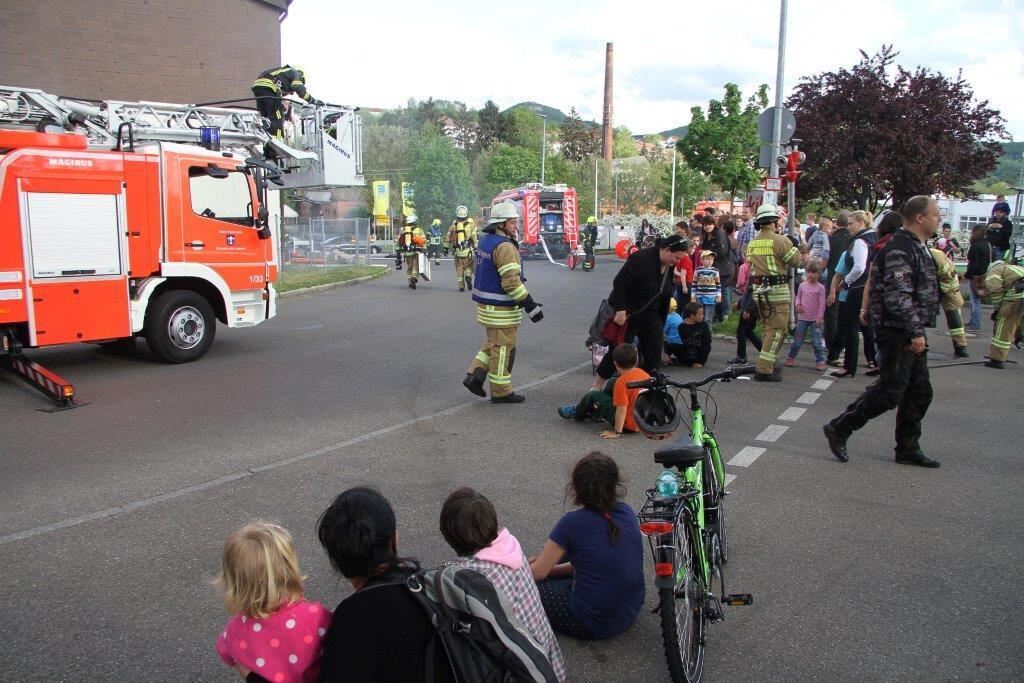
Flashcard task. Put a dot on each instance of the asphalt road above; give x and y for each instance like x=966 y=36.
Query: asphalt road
x=112 y=515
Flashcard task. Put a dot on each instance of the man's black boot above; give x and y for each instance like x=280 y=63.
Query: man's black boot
x=836 y=443
x=918 y=458
x=768 y=377
x=511 y=398
x=469 y=283
x=960 y=352
x=475 y=381
x=997 y=364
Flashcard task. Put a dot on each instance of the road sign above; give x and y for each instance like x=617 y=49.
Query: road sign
x=773 y=184
x=769 y=197
x=766 y=125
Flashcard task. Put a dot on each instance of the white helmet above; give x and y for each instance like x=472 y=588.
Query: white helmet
x=411 y=219
x=502 y=211
x=461 y=212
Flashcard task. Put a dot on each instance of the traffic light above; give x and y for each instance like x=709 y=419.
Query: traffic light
x=793 y=161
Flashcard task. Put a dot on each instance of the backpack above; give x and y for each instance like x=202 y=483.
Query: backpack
x=481 y=639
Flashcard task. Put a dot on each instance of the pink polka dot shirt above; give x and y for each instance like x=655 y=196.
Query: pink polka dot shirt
x=282 y=648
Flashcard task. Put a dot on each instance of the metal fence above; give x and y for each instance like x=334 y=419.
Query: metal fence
x=325 y=242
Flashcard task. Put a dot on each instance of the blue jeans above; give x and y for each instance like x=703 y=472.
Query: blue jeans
x=709 y=313
x=800 y=334
x=975 y=311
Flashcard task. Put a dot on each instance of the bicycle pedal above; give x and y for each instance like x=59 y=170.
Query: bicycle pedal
x=739 y=599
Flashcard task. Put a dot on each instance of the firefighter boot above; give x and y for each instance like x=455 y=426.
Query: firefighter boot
x=960 y=352
x=475 y=381
x=469 y=282
x=508 y=398
x=412 y=283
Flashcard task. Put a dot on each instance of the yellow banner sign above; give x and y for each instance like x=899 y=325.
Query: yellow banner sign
x=407 y=199
x=381 y=197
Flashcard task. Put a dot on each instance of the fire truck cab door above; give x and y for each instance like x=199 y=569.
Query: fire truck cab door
x=217 y=227
x=78 y=266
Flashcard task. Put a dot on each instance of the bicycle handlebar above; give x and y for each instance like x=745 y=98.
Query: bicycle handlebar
x=660 y=381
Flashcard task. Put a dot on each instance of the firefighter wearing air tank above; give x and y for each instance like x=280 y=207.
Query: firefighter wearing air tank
x=461 y=239
x=501 y=298
x=411 y=242
x=1004 y=282
x=269 y=89
x=952 y=301
x=770 y=255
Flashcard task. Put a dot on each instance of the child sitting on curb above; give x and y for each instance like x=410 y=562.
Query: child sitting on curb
x=613 y=403
x=469 y=524
x=694 y=339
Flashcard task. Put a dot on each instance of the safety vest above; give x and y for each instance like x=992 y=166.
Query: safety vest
x=435 y=234
x=769 y=253
x=460 y=234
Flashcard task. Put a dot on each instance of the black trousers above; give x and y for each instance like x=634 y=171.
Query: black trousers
x=832 y=339
x=902 y=383
x=650 y=334
x=745 y=328
x=685 y=355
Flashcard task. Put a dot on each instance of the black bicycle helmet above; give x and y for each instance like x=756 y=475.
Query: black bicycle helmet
x=655 y=414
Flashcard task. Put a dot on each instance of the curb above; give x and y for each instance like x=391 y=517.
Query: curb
x=332 y=285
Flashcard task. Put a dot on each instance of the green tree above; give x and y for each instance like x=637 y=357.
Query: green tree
x=623 y=144
x=493 y=127
x=387 y=154
x=510 y=167
x=577 y=140
x=723 y=144
x=526 y=128
x=440 y=177
x=691 y=187
x=463 y=128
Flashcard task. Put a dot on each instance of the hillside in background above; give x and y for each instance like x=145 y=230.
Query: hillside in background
x=555 y=116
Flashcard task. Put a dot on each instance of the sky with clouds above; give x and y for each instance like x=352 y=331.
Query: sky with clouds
x=669 y=54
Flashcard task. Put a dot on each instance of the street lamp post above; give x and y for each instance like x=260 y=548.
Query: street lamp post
x=543 y=145
x=672 y=201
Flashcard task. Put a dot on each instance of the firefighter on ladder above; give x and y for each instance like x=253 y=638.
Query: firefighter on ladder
x=501 y=298
x=1005 y=283
x=952 y=301
x=411 y=242
x=269 y=89
x=434 y=242
x=462 y=238
x=770 y=255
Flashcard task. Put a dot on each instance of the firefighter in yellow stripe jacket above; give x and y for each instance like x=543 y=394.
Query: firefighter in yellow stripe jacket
x=770 y=254
x=952 y=301
x=1005 y=283
x=461 y=239
x=501 y=298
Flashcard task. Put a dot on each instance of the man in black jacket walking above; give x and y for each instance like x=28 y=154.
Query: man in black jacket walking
x=838 y=242
x=904 y=301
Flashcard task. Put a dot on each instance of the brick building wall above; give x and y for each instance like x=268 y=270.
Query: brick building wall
x=184 y=51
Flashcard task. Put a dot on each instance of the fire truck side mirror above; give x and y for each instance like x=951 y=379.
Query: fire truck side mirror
x=215 y=171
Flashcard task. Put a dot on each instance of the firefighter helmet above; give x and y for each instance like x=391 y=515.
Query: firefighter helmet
x=767 y=213
x=461 y=212
x=502 y=211
x=591 y=219
x=436 y=221
x=411 y=219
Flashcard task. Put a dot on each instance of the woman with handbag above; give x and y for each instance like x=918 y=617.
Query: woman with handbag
x=639 y=298
x=979 y=256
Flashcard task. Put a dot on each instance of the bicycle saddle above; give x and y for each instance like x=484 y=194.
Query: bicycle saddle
x=681 y=456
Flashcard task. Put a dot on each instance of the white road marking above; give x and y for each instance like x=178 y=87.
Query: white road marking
x=746 y=456
x=792 y=414
x=808 y=398
x=729 y=478
x=822 y=384
x=771 y=433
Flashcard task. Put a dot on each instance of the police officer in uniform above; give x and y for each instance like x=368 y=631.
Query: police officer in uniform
x=434 y=243
x=770 y=255
x=501 y=298
x=904 y=300
x=411 y=242
x=462 y=238
x=952 y=301
x=274 y=84
x=1005 y=283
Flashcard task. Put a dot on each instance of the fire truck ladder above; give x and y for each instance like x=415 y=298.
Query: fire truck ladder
x=48 y=382
x=112 y=124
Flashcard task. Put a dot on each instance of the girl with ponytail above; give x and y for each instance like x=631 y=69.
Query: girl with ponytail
x=591 y=570
x=380 y=633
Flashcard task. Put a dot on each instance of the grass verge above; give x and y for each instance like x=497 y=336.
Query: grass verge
x=310 y=277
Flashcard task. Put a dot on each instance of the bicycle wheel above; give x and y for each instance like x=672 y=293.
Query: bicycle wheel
x=682 y=615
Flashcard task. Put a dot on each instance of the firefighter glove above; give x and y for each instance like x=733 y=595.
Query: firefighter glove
x=532 y=309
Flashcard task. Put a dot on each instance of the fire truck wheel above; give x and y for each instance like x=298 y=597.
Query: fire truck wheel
x=180 y=326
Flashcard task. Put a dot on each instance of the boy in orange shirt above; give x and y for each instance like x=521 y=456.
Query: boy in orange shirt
x=613 y=403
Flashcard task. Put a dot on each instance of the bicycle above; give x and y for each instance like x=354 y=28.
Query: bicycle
x=684 y=522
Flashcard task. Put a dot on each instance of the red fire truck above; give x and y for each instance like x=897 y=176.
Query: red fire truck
x=115 y=223
x=549 y=219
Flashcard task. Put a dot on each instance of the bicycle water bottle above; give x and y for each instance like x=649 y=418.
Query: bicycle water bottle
x=668 y=483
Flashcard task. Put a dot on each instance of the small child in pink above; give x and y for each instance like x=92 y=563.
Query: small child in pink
x=810 y=314
x=274 y=632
